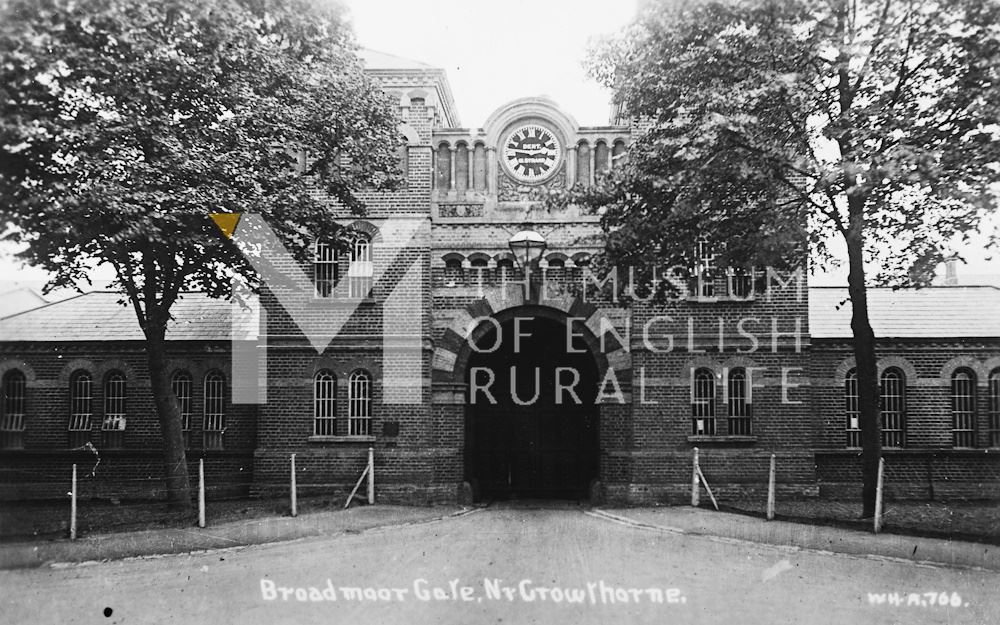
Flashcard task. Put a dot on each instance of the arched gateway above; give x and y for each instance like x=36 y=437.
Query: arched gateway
x=531 y=422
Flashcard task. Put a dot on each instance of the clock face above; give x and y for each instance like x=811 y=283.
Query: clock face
x=531 y=153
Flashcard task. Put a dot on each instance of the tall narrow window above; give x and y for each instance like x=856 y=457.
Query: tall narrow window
x=739 y=404
x=360 y=271
x=81 y=396
x=215 y=415
x=113 y=426
x=704 y=269
x=359 y=404
x=995 y=408
x=452 y=272
x=324 y=403
x=12 y=420
x=892 y=394
x=180 y=384
x=963 y=408
x=324 y=269
x=851 y=409
x=703 y=403
x=741 y=282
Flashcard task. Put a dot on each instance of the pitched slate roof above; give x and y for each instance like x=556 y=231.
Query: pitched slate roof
x=932 y=312
x=97 y=316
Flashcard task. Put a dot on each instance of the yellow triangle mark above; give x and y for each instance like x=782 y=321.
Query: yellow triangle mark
x=226 y=222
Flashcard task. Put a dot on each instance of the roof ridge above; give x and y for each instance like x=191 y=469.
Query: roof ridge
x=46 y=305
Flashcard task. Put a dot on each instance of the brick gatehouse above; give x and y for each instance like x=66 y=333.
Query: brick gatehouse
x=497 y=386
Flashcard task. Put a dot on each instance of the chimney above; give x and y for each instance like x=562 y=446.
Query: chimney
x=950 y=272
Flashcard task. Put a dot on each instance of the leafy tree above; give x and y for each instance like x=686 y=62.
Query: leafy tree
x=125 y=123
x=773 y=124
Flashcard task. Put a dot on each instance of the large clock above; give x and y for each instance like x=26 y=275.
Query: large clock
x=531 y=153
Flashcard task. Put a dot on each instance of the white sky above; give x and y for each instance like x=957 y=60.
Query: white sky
x=498 y=50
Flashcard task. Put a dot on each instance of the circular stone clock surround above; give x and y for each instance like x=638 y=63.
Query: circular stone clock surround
x=531 y=152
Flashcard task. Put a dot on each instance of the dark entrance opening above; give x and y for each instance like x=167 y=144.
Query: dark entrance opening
x=540 y=437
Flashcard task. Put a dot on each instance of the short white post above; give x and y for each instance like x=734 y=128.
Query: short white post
x=695 y=498
x=878 y=496
x=371 y=475
x=72 y=507
x=201 y=492
x=295 y=506
x=770 y=491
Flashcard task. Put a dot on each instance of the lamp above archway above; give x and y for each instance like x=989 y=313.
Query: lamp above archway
x=527 y=247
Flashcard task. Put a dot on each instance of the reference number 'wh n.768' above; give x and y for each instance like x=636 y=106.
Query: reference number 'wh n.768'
x=919 y=599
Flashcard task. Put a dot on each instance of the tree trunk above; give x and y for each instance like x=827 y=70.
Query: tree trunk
x=174 y=457
x=867 y=372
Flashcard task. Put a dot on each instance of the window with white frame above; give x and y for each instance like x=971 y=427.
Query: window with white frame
x=703 y=402
x=852 y=409
x=324 y=403
x=359 y=406
x=214 y=427
x=12 y=419
x=963 y=408
x=360 y=272
x=704 y=269
x=115 y=393
x=994 y=389
x=739 y=403
x=892 y=395
x=741 y=282
x=324 y=269
x=81 y=410
x=181 y=384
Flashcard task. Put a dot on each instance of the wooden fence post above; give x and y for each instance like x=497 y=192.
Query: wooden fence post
x=371 y=475
x=72 y=507
x=295 y=507
x=201 y=492
x=878 y=496
x=770 y=491
x=695 y=498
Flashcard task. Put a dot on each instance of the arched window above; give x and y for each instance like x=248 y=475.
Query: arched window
x=324 y=269
x=215 y=415
x=12 y=420
x=81 y=396
x=359 y=407
x=583 y=164
x=892 y=394
x=703 y=402
x=556 y=263
x=739 y=403
x=180 y=384
x=115 y=394
x=324 y=403
x=403 y=156
x=452 y=272
x=741 y=282
x=994 y=390
x=442 y=172
x=602 y=157
x=462 y=167
x=963 y=408
x=851 y=409
x=360 y=272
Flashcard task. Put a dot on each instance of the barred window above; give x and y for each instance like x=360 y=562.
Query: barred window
x=963 y=408
x=360 y=272
x=324 y=403
x=741 y=282
x=852 y=409
x=180 y=384
x=994 y=390
x=359 y=404
x=81 y=396
x=12 y=420
x=703 y=402
x=324 y=269
x=892 y=394
x=215 y=416
x=115 y=393
x=452 y=272
x=505 y=268
x=704 y=269
x=739 y=403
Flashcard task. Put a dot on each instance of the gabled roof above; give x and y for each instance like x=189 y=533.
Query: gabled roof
x=18 y=299
x=97 y=316
x=932 y=312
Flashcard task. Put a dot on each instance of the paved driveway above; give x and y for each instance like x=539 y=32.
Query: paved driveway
x=503 y=565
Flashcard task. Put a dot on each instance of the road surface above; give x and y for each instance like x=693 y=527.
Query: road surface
x=506 y=565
